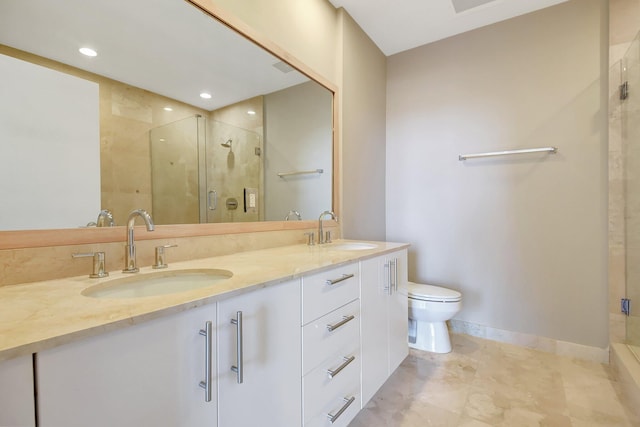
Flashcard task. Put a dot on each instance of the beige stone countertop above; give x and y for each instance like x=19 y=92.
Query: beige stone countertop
x=42 y=315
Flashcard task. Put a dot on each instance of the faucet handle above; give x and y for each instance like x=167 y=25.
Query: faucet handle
x=98 y=263
x=328 y=236
x=310 y=238
x=160 y=259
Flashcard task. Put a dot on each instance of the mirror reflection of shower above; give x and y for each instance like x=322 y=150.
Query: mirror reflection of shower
x=175 y=169
x=231 y=156
x=234 y=171
x=193 y=150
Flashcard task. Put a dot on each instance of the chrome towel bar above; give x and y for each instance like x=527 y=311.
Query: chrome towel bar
x=283 y=174
x=508 y=152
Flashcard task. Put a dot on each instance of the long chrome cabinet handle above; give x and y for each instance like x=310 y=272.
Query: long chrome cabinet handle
x=206 y=384
x=342 y=279
x=387 y=285
x=334 y=372
x=238 y=368
x=393 y=275
x=348 y=401
x=344 y=320
x=394 y=264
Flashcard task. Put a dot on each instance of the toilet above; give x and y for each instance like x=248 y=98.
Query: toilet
x=429 y=309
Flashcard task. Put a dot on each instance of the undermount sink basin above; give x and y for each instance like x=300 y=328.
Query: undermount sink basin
x=352 y=246
x=159 y=283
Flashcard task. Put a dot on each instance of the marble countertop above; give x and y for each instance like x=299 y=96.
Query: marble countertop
x=42 y=315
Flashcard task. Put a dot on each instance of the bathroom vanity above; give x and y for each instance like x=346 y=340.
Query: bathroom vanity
x=298 y=336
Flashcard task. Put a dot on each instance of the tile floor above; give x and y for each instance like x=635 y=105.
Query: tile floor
x=485 y=383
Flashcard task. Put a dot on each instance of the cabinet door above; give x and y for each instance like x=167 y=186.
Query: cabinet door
x=270 y=358
x=373 y=326
x=17 y=407
x=144 y=375
x=397 y=310
x=384 y=314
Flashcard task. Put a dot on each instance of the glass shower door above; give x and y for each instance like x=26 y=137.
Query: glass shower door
x=629 y=95
x=175 y=158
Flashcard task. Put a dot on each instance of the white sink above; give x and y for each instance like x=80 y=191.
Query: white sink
x=160 y=283
x=351 y=246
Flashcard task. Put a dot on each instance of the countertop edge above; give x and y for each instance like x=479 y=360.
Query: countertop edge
x=101 y=327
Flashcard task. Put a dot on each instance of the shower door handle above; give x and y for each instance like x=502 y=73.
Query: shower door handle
x=213 y=193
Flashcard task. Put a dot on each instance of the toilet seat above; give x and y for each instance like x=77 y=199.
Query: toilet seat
x=432 y=293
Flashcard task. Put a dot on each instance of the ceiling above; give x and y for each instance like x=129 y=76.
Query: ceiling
x=135 y=38
x=398 y=25
x=165 y=46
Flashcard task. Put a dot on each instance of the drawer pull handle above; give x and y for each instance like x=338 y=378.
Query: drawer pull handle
x=336 y=281
x=206 y=384
x=344 y=320
x=334 y=372
x=348 y=401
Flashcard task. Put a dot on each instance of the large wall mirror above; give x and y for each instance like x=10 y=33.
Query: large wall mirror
x=175 y=113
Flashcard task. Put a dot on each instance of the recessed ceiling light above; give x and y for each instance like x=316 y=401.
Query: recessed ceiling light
x=168 y=109
x=87 y=51
x=251 y=113
x=205 y=95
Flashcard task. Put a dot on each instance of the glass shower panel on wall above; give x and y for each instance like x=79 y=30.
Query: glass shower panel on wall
x=629 y=95
x=175 y=171
x=234 y=176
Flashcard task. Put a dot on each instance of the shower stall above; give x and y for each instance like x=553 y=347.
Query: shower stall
x=201 y=171
x=625 y=228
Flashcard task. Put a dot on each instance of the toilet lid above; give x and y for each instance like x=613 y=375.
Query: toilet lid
x=432 y=293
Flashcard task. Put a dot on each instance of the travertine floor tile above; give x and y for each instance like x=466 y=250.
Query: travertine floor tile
x=485 y=383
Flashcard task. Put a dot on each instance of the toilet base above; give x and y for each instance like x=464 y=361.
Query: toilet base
x=429 y=336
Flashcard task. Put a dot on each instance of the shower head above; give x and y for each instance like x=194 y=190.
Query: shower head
x=227 y=144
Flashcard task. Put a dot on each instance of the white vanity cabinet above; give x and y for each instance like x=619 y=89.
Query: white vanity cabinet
x=144 y=375
x=384 y=312
x=331 y=346
x=259 y=360
x=17 y=407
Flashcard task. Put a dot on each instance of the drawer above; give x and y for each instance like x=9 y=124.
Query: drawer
x=324 y=292
x=321 y=390
x=321 y=419
x=319 y=344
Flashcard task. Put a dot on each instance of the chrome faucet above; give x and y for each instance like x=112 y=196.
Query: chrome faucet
x=105 y=219
x=292 y=212
x=130 y=249
x=321 y=237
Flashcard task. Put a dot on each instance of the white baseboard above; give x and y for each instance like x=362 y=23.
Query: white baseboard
x=564 y=348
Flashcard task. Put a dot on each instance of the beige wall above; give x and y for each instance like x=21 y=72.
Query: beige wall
x=363 y=130
x=523 y=238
